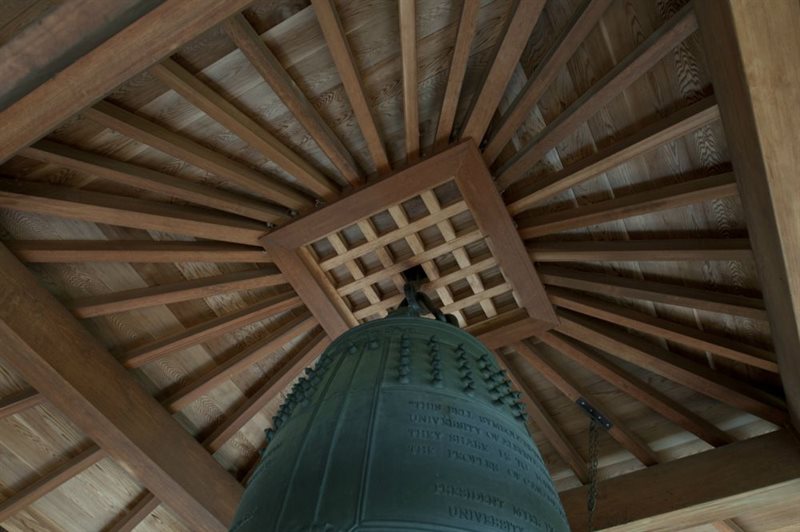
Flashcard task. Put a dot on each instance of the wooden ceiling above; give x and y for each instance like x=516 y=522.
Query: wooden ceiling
x=196 y=197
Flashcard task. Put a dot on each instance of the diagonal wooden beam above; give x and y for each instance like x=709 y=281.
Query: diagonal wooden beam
x=209 y=329
x=147 y=132
x=713 y=485
x=147 y=40
x=264 y=394
x=239 y=362
x=408 y=52
x=152 y=180
x=684 y=249
x=631 y=68
x=522 y=19
x=19 y=402
x=651 y=357
x=134 y=251
x=663 y=198
x=637 y=388
x=656 y=291
x=351 y=81
x=111 y=209
x=52 y=352
x=50 y=481
x=574 y=392
x=264 y=61
x=102 y=305
x=753 y=63
x=575 y=32
x=467 y=24
x=146 y=504
x=233 y=119
x=674 y=332
x=545 y=422
x=526 y=193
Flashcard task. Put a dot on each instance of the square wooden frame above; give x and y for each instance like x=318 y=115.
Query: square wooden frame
x=461 y=163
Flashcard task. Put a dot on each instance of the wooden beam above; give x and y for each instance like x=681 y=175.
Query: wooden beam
x=266 y=392
x=627 y=206
x=753 y=63
x=637 y=388
x=50 y=481
x=521 y=21
x=684 y=249
x=152 y=180
x=545 y=422
x=631 y=68
x=506 y=329
x=478 y=190
x=233 y=119
x=146 y=504
x=209 y=329
x=712 y=485
x=19 y=402
x=58 y=39
x=408 y=52
x=722 y=346
x=526 y=193
x=647 y=355
x=239 y=362
x=467 y=24
x=104 y=304
x=264 y=61
x=152 y=37
x=147 y=132
x=574 y=33
x=574 y=392
x=110 y=209
x=656 y=291
x=134 y=251
x=351 y=81
x=51 y=351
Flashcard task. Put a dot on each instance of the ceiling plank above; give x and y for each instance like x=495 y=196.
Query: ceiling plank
x=574 y=392
x=647 y=355
x=753 y=63
x=145 y=178
x=53 y=353
x=50 y=481
x=656 y=291
x=684 y=249
x=638 y=389
x=268 y=391
x=627 y=206
x=545 y=422
x=527 y=192
x=408 y=52
x=239 y=362
x=467 y=24
x=505 y=329
x=351 y=81
x=716 y=484
x=147 y=132
x=208 y=330
x=146 y=504
x=264 y=61
x=233 y=119
x=631 y=68
x=111 y=209
x=104 y=304
x=722 y=346
x=152 y=37
x=574 y=33
x=134 y=251
x=522 y=19
x=19 y=402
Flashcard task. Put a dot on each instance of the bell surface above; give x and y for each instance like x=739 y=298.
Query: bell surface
x=404 y=424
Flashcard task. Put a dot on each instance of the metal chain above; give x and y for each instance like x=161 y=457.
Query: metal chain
x=594 y=445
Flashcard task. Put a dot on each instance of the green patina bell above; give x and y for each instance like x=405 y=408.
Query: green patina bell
x=405 y=423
